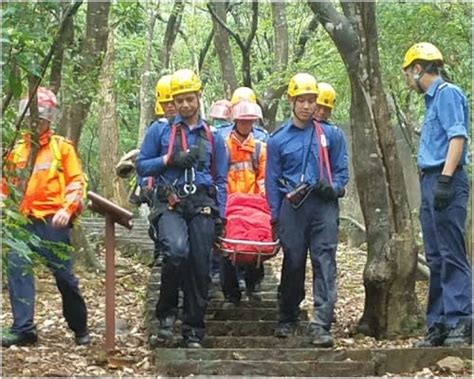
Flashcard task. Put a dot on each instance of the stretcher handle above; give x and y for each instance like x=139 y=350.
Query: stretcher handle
x=246 y=242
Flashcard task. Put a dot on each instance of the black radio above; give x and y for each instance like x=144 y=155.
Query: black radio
x=298 y=194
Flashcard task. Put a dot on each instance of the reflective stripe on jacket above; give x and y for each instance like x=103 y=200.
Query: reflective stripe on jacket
x=57 y=180
x=246 y=165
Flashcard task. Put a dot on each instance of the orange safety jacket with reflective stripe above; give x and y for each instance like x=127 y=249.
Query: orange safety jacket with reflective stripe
x=246 y=169
x=57 y=180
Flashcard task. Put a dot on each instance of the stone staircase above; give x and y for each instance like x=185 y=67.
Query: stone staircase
x=130 y=242
x=241 y=342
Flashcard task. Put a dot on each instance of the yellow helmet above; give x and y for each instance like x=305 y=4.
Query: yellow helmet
x=326 y=96
x=243 y=93
x=183 y=81
x=163 y=89
x=302 y=84
x=159 y=111
x=424 y=51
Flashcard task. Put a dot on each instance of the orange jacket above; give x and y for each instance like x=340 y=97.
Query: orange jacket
x=246 y=170
x=57 y=180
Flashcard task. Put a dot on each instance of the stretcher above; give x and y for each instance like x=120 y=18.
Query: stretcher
x=248 y=236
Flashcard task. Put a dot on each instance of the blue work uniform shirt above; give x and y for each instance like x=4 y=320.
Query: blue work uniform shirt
x=150 y=161
x=287 y=150
x=446 y=117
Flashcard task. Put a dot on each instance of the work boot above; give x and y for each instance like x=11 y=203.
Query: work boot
x=435 y=336
x=230 y=303
x=320 y=336
x=193 y=344
x=253 y=296
x=19 y=339
x=458 y=336
x=165 y=330
x=216 y=278
x=82 y=338
x=285 y=330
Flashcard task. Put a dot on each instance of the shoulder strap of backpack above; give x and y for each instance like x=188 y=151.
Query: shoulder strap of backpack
x=256 y=155
x=210 y=139
x=56 y=165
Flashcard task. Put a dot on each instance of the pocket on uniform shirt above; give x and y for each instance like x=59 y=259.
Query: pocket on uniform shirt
x=293 y=157
x=430 y=122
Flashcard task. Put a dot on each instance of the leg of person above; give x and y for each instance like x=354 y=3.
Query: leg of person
x=456 y=276
x=215 y=266
x=293 y=228
x=230 y=283
x=253 y=278
x=21 y=286
x=59 y=260
x=175 y=241
x=196 y=279
x=435 y=310
x=323 y=245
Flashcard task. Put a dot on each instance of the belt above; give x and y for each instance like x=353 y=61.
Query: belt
x=437 y=169
x=199 y=189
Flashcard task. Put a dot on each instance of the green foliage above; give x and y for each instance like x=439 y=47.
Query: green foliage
x=28 y=29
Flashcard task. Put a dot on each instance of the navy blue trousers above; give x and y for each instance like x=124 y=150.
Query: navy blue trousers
x=230 y=278
x=450 y=290
x=187 y=244
x=21 y=282
x=311 y=227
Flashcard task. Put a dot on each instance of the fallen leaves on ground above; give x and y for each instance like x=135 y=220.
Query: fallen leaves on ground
x=56 y=355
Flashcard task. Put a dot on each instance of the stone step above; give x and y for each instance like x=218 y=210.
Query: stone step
x=264 y=368
x=266 y=286
x=266 y=295
x=247 y=314
x=218 y=304
x=246 y=328
x=254 y=342
x=309 y=354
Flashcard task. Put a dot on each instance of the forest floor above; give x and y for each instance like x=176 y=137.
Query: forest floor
x=57 y=355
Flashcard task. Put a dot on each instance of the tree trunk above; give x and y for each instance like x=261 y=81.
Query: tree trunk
x=86 y=70
x=112 y=187
x=272 y=95
x=147 y=102
x=223 y=50
x=84 y=252
x=57 y=62
x=171 y=32
x=389 y=276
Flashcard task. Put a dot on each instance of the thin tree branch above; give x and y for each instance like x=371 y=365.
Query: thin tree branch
x=205 y=49
x=304 y=38
x=44 y=65
x=254 y=27
x=224 y=25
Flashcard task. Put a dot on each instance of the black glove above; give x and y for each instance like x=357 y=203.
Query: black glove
x=325 y=190
x=184 y=159
x=442 y=192
x=275 y=230
x=219 y=230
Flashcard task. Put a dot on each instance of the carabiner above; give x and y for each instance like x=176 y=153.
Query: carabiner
x=189 y=189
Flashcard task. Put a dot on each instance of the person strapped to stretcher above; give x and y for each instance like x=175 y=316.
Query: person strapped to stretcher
x=248 y=239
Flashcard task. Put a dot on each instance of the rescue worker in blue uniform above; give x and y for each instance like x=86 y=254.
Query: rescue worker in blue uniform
x=190 y=166
x=444 y=186
x=306 y=172
x=325 y=103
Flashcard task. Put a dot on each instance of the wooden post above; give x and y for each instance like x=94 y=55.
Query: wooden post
x=113 y=214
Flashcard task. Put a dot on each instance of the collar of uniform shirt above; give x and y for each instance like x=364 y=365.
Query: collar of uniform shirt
x=433 y=87
x=304 y=126
x=179 y=119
